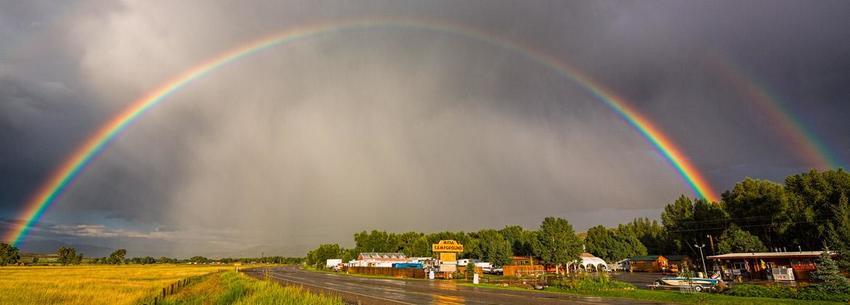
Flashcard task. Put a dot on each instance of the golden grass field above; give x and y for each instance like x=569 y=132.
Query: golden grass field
x=91 y=284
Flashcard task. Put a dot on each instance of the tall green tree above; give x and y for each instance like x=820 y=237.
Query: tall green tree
x=736 y=240
x=421 y=247
x=613 y=245
x=816 y=194
x=66 y=255
x=760 y=207
x=520 y=240
x=376 y=241
x=117 y=257
x=406 y=241
x=690 y=222
x=838 y=232
x=494 y=247
x=829 y=277
x=650 y=233
x=9 y=254
x=324 y=252
x=557 y=242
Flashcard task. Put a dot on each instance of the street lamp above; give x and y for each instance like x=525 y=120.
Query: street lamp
x=704 y=271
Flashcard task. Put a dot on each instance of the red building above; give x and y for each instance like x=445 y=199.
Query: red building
x=763 y=265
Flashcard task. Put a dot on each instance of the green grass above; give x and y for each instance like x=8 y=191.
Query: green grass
x=669 y=296
x=231 y=288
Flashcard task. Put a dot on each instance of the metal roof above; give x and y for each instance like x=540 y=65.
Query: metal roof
x=379 y=255
x=768 y=255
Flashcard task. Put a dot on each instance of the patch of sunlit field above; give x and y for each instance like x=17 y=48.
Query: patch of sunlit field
x=230 y=288
x=91 y=284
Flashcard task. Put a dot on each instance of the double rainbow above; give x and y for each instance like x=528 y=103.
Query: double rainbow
x=98 y=141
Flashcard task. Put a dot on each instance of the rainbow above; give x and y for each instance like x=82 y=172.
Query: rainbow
x=806 y=144
x=93 y=145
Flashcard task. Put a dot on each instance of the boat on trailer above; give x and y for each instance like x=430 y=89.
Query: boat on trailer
x=697 y=283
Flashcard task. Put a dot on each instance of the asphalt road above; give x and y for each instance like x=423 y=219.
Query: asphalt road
x=359 y=290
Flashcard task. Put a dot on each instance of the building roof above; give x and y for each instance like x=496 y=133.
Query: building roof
x=590 y=259
x=382 y=255
x=768 y=255
x=645 y=257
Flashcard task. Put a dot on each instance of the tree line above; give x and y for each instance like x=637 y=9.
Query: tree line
x=10 y=255
x=809 y=211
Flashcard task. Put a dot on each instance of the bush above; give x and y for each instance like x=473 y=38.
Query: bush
x=812 y=293
x=591 y=283
x=816 y=293
x=772 y=291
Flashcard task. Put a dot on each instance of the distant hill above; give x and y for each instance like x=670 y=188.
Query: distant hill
x=50 y=246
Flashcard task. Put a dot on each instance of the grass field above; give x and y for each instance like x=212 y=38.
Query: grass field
x=230 y=288
x=672 y=296
x=90 y=284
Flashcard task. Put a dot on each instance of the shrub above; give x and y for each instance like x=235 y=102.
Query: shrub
x=816 y=293
x=811 y=293
x=591 y=283
x=772 y=291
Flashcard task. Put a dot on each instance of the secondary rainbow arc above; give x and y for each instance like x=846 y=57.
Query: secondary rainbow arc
x=805 y=143
x=84 y=154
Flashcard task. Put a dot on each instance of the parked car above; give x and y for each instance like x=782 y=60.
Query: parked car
x=492 y=270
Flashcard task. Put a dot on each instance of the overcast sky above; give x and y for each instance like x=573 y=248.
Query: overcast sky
x=396 y=128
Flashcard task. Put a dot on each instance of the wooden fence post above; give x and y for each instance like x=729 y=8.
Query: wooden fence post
x=163 y=293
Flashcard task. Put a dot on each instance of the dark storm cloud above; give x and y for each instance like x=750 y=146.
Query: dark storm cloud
x=309 y=142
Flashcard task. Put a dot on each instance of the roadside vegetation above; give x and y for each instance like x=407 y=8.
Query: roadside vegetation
x=90 y=284
x=603 y=287
x=231 y=288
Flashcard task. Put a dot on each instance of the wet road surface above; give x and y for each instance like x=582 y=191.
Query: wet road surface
x=359 y=290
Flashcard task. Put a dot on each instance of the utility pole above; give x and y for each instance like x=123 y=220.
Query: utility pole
x=711 y=243
x=702 y=257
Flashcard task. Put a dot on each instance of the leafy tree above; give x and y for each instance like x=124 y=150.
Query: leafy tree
x=829 y=276
x=376 y=241
x=421 y=247
x=650 y=233
x=66 y=255
x=494 y=248
x=816 y=195
x=736 y=240
x=406 y=241
x=78 y=259
x=166 y=260
x=557 y=242
x=117 y=257
x=9 y=254
x=519 y=239
x=690 y=221
x=320 y=255
x=613 y=245
x=199 y=260
x=838 y=232
x=470 y=269
x=35 y=259
x=761 y=207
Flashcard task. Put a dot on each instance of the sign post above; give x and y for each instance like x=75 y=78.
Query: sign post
x=447 y=251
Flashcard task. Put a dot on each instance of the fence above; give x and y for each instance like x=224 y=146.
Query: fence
x=172 y=289
x=521 y=270
x=394 y=272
